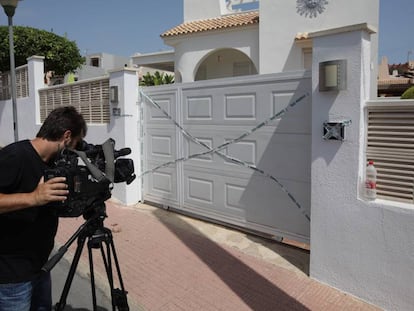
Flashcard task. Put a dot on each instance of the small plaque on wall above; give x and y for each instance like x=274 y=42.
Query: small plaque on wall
x=116 y=112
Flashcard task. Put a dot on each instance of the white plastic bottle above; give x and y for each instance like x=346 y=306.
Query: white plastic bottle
x=371 y=181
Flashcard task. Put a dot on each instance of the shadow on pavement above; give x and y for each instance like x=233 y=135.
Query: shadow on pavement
x=296 y=256
x=256 y=291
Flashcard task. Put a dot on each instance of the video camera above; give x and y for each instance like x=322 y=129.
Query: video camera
x=90 y=184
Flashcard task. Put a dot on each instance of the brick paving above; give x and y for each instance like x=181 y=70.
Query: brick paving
x=170 y=262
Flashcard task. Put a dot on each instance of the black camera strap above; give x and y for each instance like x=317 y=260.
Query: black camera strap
x=96 y=172
x=108 y=150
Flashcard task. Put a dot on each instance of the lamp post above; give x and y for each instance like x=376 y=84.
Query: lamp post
x=9 y=7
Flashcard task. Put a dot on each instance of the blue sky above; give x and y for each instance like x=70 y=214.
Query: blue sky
x=125 y=27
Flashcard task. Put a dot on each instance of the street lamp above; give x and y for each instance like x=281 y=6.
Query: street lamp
x=9 y=7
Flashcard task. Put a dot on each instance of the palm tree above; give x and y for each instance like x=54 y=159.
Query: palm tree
x=156 y=79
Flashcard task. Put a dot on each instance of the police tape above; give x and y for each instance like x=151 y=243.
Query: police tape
x=218 y=149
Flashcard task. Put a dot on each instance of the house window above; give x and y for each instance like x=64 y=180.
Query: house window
x=95 y=61
x=389 y=144
x=242 y=69
x=307 y=58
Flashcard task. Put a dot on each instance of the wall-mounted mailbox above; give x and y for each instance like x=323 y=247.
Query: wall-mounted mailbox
x=113 y=94
x=334 y=130
x=116 y=112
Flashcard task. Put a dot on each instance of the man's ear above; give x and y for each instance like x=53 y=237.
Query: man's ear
x=67 y=134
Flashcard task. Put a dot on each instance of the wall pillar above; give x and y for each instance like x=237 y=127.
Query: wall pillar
x=36 y=81
x=342 y=252
x=125 y=128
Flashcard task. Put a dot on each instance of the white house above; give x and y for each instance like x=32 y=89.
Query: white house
x=223 y=38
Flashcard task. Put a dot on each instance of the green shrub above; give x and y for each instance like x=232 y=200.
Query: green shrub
x=408 y=94
x=156 y=79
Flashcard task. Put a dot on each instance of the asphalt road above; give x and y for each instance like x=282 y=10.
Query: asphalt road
x=80 y=295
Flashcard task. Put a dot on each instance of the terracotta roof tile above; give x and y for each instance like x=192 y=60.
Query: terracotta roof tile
x=394 y=81
x=228 y=21
x=301 y=36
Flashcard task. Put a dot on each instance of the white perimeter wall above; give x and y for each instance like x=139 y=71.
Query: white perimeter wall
x=123 y=128
x=363 y=248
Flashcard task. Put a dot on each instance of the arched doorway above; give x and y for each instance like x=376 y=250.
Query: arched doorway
x=225 y=63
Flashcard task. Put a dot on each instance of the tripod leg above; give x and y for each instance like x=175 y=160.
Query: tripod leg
x=119 y=296
x=92 y=277
x=118 y=269
x=62 y=302
x=108 y=268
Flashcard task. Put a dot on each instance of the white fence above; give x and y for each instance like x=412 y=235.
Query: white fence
x=22 y=83
x=90 y=97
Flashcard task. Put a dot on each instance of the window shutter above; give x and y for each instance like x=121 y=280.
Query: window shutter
x=91 y=98
x=390 y=144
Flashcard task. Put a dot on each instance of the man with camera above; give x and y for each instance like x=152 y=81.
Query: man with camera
x=28 y=224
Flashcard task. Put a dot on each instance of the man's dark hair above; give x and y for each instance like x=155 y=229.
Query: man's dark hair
x=60 y=120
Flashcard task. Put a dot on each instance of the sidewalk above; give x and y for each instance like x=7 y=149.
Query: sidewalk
x=171 y=262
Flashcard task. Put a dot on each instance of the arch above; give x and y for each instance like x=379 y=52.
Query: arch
x=177 y=76
x=224 y=63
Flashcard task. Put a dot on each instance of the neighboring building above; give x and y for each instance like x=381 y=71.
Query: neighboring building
x=152 y=62
x=394 y=79
x=98 y=64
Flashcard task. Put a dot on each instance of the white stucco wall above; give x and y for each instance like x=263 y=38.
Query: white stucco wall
x=280 y=22
x=125 y=129
x=27 y=112
x=360 y=247
x=201 y=9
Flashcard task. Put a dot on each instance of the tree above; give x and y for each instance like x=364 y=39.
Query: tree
x=156 y=79
x=61 y=55
x=408 y=94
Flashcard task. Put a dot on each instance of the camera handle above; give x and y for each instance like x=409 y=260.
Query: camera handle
x=94 y=231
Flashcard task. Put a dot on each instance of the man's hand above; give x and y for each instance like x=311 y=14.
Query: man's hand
x=53 y=190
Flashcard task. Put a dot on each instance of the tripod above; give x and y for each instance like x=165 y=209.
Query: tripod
x=98 y=237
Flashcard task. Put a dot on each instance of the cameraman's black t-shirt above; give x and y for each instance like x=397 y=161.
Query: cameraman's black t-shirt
x=27 y=235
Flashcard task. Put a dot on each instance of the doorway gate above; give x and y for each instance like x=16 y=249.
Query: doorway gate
x=236 y=151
